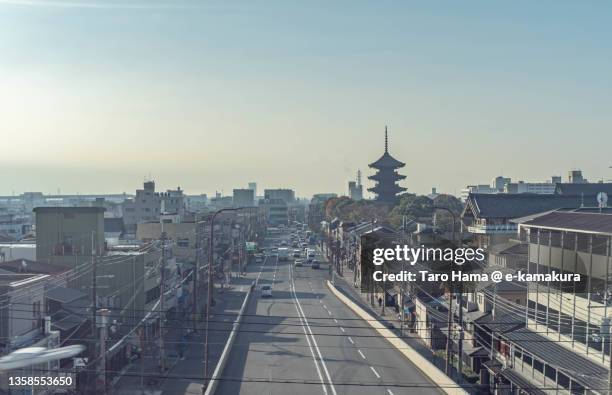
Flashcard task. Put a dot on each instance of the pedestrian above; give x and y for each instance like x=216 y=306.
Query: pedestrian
x=380 y=301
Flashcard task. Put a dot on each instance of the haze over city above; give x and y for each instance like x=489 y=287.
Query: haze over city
x=96 y=95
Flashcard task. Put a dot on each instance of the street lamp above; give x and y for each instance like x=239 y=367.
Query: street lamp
x=211 y=285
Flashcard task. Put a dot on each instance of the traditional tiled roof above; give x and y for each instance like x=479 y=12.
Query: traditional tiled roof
x=386 y=160
x=574 y=221
x=501 y=205
x=590 y=189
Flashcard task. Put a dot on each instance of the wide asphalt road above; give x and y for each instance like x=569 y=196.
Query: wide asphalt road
x=303 y=340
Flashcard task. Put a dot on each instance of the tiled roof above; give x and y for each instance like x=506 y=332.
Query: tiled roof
x=575 y=221
x=65 y=295
x=502 y=205
x=590 y=189
x=387 y=160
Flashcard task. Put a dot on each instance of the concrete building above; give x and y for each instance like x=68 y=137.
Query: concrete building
x=286 y=195
x=197 y=203
x=275 y=211
x=243 y=197
x=546 y=188
x=173 y=201
x=488 y=217
x=65 y=232
x=145 y=206
x=575 y=177
x=499 y=183
x=253 y=187
x=182 y=233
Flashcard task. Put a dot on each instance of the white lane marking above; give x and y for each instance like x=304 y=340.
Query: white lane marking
x=360 y=353
x=260 y=270
x=314 y=340
x=242 y=288
x=390 y=392
x=351 y=340
x=325 y=307
x=320 y=301
x=342 y=329
x=329 y=312
x=314 y=358
x=335 y=320
x=375 y=372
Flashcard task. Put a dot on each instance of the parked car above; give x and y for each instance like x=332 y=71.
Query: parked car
x=316 y=265
x=266 y=291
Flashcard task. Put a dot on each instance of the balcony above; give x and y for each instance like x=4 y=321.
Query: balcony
x=493 y=229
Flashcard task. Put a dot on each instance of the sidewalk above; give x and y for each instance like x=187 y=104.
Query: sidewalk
x=189 y=368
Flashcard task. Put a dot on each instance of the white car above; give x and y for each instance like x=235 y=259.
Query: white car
x=266 y=291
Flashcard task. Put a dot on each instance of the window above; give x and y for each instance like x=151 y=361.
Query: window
x=36 y=309
x=182 y=242
x=539 y=366
x=527 y=359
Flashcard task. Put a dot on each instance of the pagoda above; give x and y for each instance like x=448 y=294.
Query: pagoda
x=386 y=177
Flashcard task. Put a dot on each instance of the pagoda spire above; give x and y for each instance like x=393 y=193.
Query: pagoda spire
x=386 y=141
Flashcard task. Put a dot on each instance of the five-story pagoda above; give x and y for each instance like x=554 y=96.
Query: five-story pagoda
x=386 y=177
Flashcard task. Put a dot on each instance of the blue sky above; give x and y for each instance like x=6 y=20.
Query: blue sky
x=210 y=95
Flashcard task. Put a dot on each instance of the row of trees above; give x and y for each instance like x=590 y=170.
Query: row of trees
x=418 y=208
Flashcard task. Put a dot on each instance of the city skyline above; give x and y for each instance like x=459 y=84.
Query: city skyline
x=97 y=95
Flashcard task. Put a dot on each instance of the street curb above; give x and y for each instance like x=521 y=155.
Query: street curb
x=214 y=379
x=426 y=367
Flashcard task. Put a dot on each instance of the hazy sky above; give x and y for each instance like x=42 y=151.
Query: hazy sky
x=95 y=95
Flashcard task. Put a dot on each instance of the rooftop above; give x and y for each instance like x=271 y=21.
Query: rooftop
x=501 y=205
x=589 y=189
x=583 y=222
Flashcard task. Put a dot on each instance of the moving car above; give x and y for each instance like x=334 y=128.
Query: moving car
x=316 y=265
x=299 y=263
x=283 y=253
x=266 y=291
x=297 y=253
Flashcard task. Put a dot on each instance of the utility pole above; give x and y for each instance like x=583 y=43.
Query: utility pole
x=94 y=290
x=210 y=287
x=162 y=313
x=449 y=342
x=461 y=334
x=196 y=272
x=103 y=336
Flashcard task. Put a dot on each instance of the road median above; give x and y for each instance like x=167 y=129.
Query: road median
x=447 y=385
